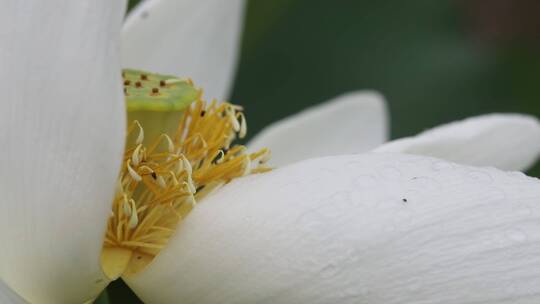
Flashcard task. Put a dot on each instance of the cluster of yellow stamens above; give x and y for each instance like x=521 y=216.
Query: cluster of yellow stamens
x=160 y=182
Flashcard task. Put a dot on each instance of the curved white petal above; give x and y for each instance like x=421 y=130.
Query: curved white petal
x=198 y=39
x=506 y=141
x=351 y=123
x=376 y=228
x=62 y=130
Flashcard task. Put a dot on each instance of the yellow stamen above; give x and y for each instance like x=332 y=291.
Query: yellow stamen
x=161 y=181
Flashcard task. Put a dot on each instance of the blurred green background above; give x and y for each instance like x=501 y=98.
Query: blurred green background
x=435 y=61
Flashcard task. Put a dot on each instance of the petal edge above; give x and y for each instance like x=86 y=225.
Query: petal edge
x=350 y=123
x=506 y=141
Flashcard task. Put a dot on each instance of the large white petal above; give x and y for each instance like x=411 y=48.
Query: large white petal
x=376 y=228
x=351 y=123
x=199 y=39
x=62 y=129
x=506 y=141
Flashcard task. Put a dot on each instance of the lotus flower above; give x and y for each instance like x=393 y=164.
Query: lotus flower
x=375 y=227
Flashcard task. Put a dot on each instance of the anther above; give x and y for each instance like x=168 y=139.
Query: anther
x=191 y=186
x=126 y=206
x=134 y=219
x=233 y=120
x=133 y=173
x=180 y=166
x=243 y=126
x=140 y=137
x=187 y=165
x=174 y=179
x=238 y=108
x=135 y=156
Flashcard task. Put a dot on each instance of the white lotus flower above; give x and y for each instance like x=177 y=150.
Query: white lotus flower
x=374 y=228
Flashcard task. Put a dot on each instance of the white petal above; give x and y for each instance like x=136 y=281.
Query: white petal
x=506 y=141
x=376 y=228
x=62 y=130
x=198 y=39
x=8 y=296
x=351 y=123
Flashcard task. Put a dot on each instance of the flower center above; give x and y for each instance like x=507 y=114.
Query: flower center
x=163 y=178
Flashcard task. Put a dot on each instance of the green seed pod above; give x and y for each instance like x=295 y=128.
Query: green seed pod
x=157 y=101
